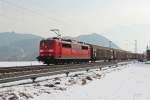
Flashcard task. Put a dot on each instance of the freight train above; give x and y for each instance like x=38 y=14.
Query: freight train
x=60 y=51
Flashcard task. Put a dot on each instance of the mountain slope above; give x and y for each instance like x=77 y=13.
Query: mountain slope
x=16 y=47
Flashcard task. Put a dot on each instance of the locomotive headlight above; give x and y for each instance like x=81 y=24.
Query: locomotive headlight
x=41 y=50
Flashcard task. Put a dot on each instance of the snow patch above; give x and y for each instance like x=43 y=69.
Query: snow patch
x=19 y=63
x=127 y=82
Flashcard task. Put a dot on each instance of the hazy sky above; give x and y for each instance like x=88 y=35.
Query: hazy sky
x=122 y=21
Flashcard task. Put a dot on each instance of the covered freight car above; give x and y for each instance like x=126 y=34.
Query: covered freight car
x=109 y=54
x=101 y=53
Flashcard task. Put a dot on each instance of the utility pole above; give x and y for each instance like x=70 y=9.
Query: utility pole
x=147 y=48
x=110 y=42
x=135 y=49
x=111 y=51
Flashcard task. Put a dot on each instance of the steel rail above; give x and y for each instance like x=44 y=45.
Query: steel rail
x=11 y=73
x=37 y=67
x=58 y=69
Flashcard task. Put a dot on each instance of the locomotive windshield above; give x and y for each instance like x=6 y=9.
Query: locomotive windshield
x=46 y=42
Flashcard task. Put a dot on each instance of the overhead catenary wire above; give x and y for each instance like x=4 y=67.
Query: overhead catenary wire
x=55 y=22
x=30 y=10
x=36 y=12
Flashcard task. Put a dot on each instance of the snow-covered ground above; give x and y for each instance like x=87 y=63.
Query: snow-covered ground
x=19 y=63
x=128 y=82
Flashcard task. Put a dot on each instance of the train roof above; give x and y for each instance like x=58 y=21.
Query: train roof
x=67 y=40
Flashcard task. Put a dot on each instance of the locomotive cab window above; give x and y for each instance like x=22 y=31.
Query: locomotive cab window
x=48 y=42
x=42 y=42
x=84 y=48
x=65 y=45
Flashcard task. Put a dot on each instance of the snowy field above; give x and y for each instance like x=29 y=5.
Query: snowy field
x=19 y=63
x=129 y=82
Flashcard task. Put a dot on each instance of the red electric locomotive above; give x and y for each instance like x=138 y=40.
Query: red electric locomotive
x=59 y=51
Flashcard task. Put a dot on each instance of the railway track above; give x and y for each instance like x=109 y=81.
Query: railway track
x=32 y=72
